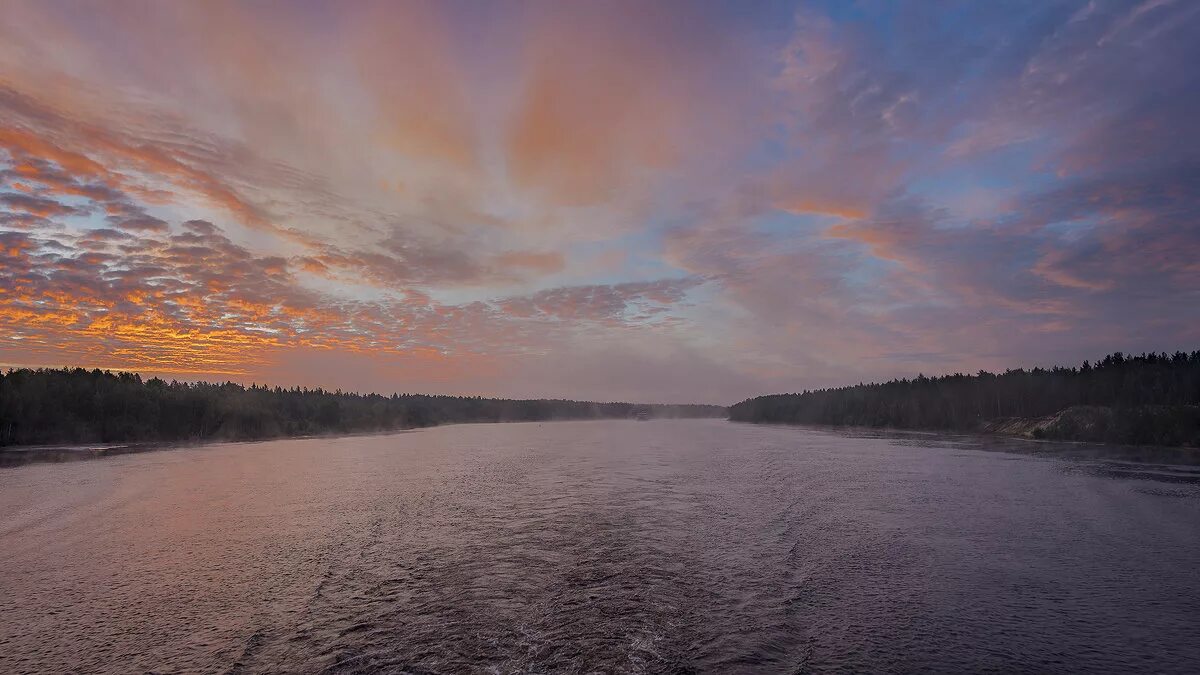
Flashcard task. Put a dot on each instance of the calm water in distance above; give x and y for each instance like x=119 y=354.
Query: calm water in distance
x=664 y=546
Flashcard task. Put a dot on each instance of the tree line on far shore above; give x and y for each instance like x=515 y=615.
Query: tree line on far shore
x=74 y=405
x=1148 y=399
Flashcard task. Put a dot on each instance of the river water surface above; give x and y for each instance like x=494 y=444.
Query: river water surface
x=664 y=546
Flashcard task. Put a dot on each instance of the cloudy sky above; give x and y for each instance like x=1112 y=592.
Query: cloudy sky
x=695 y=201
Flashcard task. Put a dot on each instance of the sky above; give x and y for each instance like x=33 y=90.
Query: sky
x=668 y=201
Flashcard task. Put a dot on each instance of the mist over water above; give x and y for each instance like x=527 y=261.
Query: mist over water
x=613 y=546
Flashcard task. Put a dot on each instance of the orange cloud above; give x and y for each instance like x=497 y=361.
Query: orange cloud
x=824 y=207
x=194 y=301
x=105 y=158
x=610 y=93
x=37 y=206
x=23 y=143
x=414 y=91
x=883 y=242
x=545 y=262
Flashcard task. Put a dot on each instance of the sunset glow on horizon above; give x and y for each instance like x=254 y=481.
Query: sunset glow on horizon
x=668 y=201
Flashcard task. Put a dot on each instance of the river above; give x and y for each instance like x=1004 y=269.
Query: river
x=613 y=546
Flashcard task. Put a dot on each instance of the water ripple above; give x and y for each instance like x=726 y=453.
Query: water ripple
x=662 y=547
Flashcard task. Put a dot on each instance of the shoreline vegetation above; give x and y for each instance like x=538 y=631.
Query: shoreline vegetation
x=1151 y=399
x=120 y=411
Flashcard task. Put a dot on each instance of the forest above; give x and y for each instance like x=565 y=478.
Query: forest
x=65 y=406
x=1151 y=399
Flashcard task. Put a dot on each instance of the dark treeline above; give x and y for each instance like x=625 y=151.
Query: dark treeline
x=46 y=406
x=1147 y=399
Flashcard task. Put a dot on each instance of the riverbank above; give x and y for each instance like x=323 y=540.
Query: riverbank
x=74 y=407
x=20 y=455
x=29 y=454
x=1151 y=399
x=1170 y=426
x=1157 y=426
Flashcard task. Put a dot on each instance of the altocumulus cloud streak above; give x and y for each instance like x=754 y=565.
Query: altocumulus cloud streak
x=605 y=200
